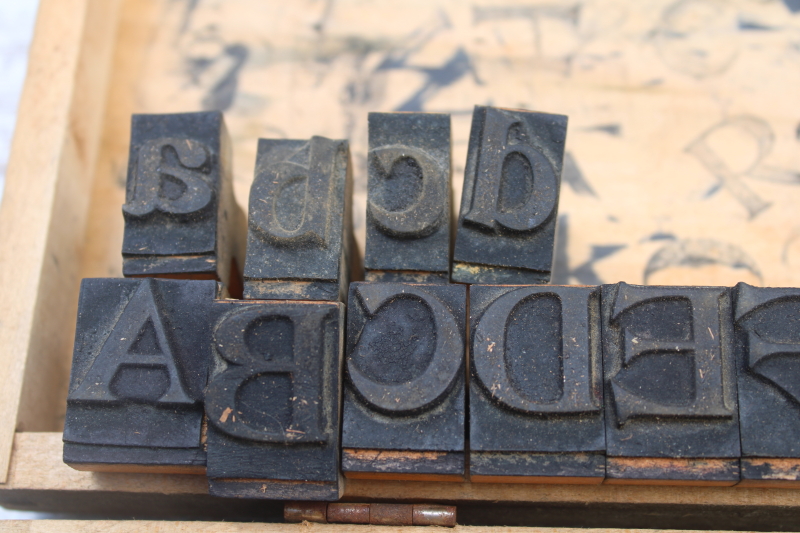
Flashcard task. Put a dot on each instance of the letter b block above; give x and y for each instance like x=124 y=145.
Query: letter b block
x=536 y=399
x=299 y=226
x=404 y=396
x=139 y=368
x=180 y=214
x=408 y=203
x=768 y=364
x=273 y=404
x=670 y=385
x=506 y=227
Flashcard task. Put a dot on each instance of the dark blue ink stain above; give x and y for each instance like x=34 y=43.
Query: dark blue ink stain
x=222 y=94
x=748 y=25
x=797 y=132
x=584 y=273
x=611 y=129
x=572 y=175
x=792 y=5
x=660 y=236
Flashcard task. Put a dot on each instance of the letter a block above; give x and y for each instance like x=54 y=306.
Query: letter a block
x=536 y=399
x=139 y=368
x=273 y=404
x=768 y=364
x=670 y=385
x=506 y=227
x=408 y=199
x=299 y=227
x=181 y=218
x=404 y=394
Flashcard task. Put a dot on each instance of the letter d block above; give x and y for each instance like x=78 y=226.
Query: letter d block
x=273 y=405
x=139 y=368
x=768 y=364
x=299 y=227
x=536 y=398
x=506 y=227
x=404 y=396
x=670 y=385
x=408 y=202
x=181 y=219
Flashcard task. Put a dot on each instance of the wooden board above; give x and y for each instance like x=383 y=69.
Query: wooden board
x=683 y=161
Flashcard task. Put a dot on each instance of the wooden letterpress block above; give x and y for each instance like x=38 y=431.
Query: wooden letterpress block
x=403 y=414
x=299 y=230
x=181 y=219
x=536 y=397
x=139 y=368
x=273 y=403
x=768 y=365
x=507 y=222
x=670 y=385
x=408 y=199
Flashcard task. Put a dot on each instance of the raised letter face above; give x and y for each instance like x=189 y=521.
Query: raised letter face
x=536 y=388
x=768 y=362
x=506 y=226
x=179 y=201
x=139 y=368
x=408 y=203
x=298 y=227
x=273 y=403
x=670 y=379
x=405 y=387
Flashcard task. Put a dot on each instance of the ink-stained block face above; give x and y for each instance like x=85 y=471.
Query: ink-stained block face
x=767 y=325
x=404 y=393
x=536 y=399
x=670 y=383
x=139 y=368
x=179 y=202
x=506 y=227
x=273 y=402
x=408 y=199
x=299 y=221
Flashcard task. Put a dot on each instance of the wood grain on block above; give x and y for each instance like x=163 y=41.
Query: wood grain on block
x=408 y=198
x=536 y=398
x=672 y=471
x=300 y=227
x=770 y=472
x=273 y=401
x=403 y=412
x=509 y=204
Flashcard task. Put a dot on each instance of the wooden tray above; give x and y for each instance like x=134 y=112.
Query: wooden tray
x=642 y=201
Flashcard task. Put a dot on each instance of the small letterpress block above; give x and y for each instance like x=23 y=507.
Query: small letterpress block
x=670 y=385
x=139 y=368
x=408 y=198
x=273 y=402
x=403 y=414
x=506 y=227
x=181 y=219
x=536 y=396
x=299 y=228
x=768 y=365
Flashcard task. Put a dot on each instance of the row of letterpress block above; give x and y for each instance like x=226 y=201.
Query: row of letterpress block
x=181 y=219
x=618 y=383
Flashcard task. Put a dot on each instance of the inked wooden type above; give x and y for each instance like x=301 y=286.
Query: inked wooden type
x=273 y=402
x=181 y=218
x=767 y=325
x=299 y=229
x=506 y=226
x=139 y=368
x=535 y=393
x=403 y=414
x=408 y=199
x=670 y=385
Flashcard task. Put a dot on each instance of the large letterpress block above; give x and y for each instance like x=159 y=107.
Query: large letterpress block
x=403 y=414
x=139 y=368
x=181 y=219
x=273 y=402
x=299 y=221
x=535 y=393
x=768 y=365
x=670 y=385
x=408 y=198
x=507 y=222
